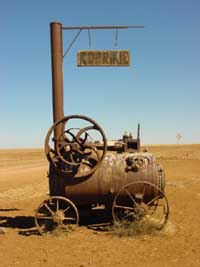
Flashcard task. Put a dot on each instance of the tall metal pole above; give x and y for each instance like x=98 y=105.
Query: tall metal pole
x=57 y=75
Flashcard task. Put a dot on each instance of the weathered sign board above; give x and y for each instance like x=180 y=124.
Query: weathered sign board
x=104 y=58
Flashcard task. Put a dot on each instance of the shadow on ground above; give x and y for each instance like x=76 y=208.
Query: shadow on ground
x=93 y=219
x=12 y=209
x=25 y=224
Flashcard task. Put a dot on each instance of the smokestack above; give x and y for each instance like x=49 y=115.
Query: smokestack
x=57 y=76
x=138 y=137
x=138 y=132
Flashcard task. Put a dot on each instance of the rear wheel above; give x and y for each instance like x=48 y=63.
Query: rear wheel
x=140 y=201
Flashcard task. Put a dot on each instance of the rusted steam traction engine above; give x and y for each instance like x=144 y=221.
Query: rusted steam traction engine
x=86 y=171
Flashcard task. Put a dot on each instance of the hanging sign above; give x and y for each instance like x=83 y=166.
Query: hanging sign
x=104 y=58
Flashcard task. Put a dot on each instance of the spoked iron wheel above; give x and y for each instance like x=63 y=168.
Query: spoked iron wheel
x=55 y=213
x=141 y=201
x=77 y=150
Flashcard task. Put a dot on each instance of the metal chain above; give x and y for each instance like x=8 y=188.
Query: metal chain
x=89 y=38
x=116 y=38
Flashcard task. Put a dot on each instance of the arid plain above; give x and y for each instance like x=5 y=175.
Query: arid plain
x=24 y=184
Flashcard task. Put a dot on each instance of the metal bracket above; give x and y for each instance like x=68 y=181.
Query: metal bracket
x=80 y=28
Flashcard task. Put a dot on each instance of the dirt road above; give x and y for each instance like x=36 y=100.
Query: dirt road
x=24 y=184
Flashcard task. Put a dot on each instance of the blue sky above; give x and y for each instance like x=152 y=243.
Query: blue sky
x=161 y=88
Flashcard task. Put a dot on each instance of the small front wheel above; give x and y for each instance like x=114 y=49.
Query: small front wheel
x=56 y=212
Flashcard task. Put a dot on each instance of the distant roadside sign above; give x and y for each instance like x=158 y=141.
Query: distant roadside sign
x=104 y=58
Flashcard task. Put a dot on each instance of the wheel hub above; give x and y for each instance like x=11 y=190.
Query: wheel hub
x=141 y=210
x=58 y=217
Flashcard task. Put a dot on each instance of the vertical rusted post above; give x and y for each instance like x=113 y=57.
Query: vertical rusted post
x=138 y=132
x=57 y=76
x=138 y=137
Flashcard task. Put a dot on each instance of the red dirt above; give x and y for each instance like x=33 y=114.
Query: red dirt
x=23 y=185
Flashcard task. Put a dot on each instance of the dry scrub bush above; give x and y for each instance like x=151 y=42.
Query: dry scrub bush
x=63 y=231
x=134 y=229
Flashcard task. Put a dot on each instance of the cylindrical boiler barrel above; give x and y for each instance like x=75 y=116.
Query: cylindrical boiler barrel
x=116 y=171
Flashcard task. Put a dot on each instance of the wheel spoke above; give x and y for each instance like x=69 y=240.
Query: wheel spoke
x=44 y=218
x=129 y=194
x=47 y=207
x=154 y=199
x=154 y=205
x=69 y=218
x=72 y=135
x=149 y=210
x=66 y=209
x=57 y=205
x=143 y=193
x=84 y=130
x=123 y=207
x=160 y=205
x=45 y=222
x=91 y=159
x=86 y=162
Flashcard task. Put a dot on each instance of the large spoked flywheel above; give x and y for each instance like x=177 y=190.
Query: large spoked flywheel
x=80 y=147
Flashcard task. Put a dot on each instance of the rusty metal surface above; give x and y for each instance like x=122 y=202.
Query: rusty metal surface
x=112 y=174
x=74 y=152
x=147 y=203
x=55 y=212
x=85 y=171
x=102 y=27
x=57 y=77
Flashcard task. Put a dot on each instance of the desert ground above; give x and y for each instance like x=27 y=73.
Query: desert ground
x=24 y=184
